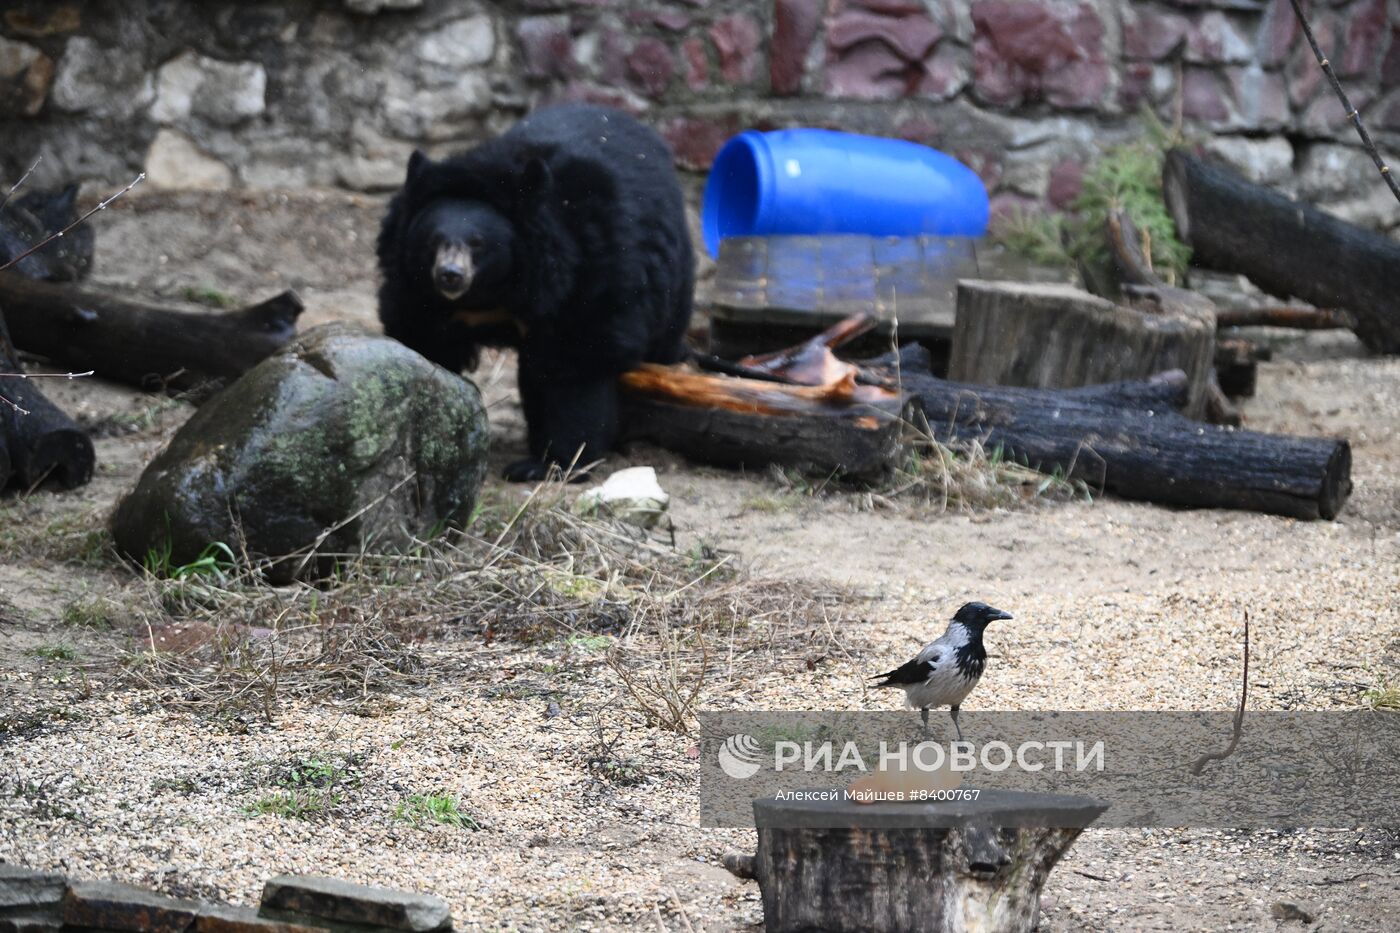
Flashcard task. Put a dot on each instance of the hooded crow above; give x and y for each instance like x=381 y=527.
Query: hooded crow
x=947 y=668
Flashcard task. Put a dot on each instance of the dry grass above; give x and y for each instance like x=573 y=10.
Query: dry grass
x=939 y=475
x=966 y=475
x=529 y=571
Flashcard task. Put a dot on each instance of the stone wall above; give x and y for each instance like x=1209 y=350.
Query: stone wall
x=337 y=92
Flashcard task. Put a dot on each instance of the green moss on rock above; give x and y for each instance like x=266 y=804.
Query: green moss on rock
x=339 y=429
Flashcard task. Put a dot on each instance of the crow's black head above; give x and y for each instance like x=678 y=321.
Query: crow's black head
x=976 y=616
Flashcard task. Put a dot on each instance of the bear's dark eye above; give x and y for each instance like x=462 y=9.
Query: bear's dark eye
x=474 y=242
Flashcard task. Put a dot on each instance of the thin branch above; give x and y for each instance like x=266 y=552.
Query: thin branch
x=1201 y=762
x=101 y=206
x=1352 y=112
x=16 y=186
x=25 y=411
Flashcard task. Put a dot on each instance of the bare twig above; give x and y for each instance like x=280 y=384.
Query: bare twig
x=24 y=411
x=22 y=179
x=1201 y=762
x=101 y=206
x=1352 y=113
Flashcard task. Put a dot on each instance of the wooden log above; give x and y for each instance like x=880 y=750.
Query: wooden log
x=1057 y=336
x=942 y=868
x=842 y=428
x=1286 y=247
x=143 y=345
x=1096 y=434
x=37 y=439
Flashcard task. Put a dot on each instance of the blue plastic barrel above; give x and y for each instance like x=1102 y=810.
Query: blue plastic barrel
x=809 y=181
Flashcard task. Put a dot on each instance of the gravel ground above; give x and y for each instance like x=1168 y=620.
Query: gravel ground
x=587 y=815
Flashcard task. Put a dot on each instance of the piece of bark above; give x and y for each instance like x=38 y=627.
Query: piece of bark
x=37 y=440
x=901 y=867
x=139 y=344
x=1057 y=336
x=1132 y=263
x=1105 y=436
x=843 y=428
x=1286 y=247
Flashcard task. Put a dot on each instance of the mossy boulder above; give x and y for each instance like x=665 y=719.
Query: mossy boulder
x=341 y=443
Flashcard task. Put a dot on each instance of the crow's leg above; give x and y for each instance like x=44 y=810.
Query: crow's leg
x=953 y=711
x=923 y=714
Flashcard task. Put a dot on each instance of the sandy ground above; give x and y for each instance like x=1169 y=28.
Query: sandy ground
x=1119 y=605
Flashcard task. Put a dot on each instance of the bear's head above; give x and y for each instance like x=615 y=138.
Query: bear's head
x=464 y=251
x=463 y=233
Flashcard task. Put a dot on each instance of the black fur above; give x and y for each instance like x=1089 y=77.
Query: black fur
x=579 y=213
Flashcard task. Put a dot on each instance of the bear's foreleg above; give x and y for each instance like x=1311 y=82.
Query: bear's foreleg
x=572 y=420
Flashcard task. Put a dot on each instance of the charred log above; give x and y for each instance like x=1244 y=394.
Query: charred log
x=140 y=344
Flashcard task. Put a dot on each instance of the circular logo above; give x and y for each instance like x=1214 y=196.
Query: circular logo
x=738 y=756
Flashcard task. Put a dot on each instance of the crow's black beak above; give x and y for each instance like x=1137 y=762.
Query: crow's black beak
x=996 y=615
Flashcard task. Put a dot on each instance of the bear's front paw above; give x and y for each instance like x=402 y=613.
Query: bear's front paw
x=533 y=471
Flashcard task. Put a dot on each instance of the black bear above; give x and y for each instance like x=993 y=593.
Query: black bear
x=566 y=238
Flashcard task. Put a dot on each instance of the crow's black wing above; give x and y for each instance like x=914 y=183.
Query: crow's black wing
x=914 y=672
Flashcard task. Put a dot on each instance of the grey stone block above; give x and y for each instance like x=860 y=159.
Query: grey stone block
x=107 y=905
x=22 y=890
x=344 y=902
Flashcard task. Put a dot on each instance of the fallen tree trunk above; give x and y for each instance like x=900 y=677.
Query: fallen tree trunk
x=1286 y=247
x=841 y=428
x=139 y=344
x=1100 y=435
x=37 y=440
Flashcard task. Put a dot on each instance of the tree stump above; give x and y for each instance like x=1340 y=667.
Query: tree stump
x=843 y=867
x=1051 y=336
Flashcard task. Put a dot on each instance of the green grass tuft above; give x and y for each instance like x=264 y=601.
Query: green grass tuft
x=89 y=612
x=54 y=652
x=217 y=561
x=307 y=786
x=319 y=770
x=1382 y=696
x=303 y=804
x=208 y=295
x=418 y=810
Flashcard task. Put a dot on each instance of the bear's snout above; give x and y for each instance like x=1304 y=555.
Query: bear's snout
x=452 y=271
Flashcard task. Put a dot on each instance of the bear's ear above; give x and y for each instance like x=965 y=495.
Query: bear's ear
x=535 y=180
x=418 y=162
